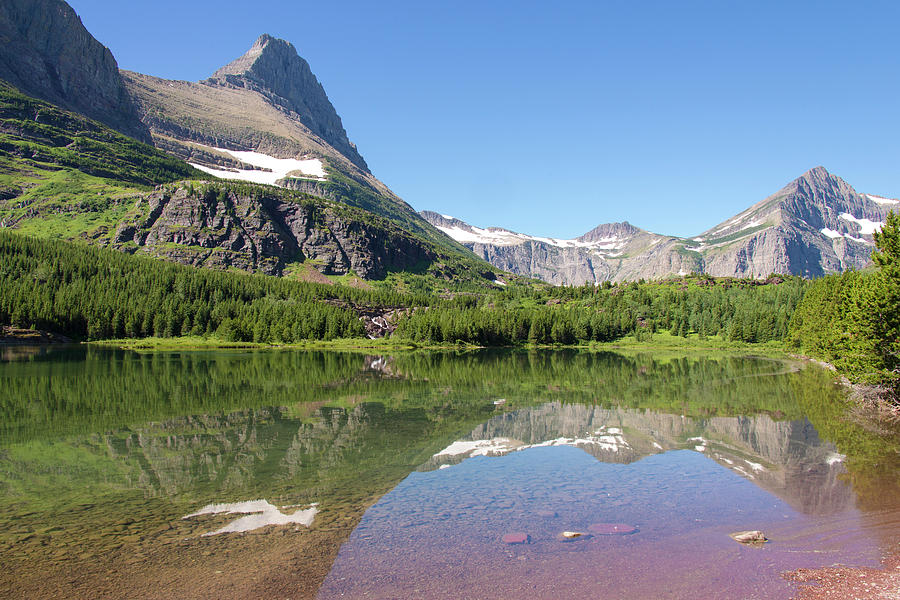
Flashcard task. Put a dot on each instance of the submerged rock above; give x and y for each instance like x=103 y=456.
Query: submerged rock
x=749 y=537
x=515 y=538
x=612 y=528
x=571 y=536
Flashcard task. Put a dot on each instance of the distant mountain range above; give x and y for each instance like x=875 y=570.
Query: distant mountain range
x=264 y=118
x=815 y=225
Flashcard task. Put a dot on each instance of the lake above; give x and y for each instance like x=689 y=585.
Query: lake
x=490 y=474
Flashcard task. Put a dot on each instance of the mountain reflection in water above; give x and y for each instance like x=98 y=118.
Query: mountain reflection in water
x=684 y=483
x=102 y=452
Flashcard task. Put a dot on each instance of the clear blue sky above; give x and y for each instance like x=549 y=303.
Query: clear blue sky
x=553 y=117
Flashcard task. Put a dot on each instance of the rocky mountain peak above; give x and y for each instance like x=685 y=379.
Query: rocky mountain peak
x=819 y=183
x=273 y=68
x=274 y=50
x=610 y=230
x=46 y=52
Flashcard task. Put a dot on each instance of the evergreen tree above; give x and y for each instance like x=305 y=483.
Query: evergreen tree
x=883 y=298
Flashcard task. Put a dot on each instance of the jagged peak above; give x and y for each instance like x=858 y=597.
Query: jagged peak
x=818 y=171
x=265 y=45
x=820 y=177
x=818 y=181
x=273 y=68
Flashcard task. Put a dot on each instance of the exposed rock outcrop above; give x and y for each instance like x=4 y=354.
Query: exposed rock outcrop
x=46 y=52
x=223 y=227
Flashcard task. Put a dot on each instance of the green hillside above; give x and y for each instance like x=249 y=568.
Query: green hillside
x=63 y=176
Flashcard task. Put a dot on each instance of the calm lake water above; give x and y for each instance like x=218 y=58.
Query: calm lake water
x=285 y=474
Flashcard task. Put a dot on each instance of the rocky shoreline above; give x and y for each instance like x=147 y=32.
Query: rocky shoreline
x=873 y=403
x=14 y=336
x=848 y=582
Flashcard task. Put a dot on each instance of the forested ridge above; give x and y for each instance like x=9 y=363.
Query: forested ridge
x=733 y=309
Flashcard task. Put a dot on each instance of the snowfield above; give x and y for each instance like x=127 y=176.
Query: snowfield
x=866 y=226
x=501 y=237
x=881 y=200
x=831 y=233
x=275 y=168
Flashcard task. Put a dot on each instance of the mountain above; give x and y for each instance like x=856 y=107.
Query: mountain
x=259 y=123
x=614 y=251
x=70 y=177
x=47 y=53
x=815 y=225
x=265 y=118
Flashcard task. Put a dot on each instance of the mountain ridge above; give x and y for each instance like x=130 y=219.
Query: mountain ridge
x=815 y=225
x=265 y=118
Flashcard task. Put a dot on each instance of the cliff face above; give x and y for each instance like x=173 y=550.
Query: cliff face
x=547 y=262
x=817 y=224
x=47 y=53
x=257 y=230
x=613 y=251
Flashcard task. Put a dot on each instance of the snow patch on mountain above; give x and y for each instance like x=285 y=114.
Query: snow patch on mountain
x=503 y=237
x=881 y=200
x=831 y=233
x=270 y=169
x=866 y=226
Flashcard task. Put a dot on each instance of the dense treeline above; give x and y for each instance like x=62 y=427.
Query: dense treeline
x=853 y=320
x=738 y=310
x=93 y=293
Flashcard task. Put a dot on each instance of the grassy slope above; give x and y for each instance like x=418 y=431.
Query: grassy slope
x=65 y=176
x=658 y=343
